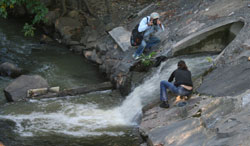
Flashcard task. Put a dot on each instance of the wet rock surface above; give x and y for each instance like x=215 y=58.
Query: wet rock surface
x=229 y=80
x=208 y=120
x=17 y=90
x=9 y=69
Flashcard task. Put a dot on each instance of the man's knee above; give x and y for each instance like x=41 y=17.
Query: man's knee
x=157 y=40
x=143 y=44
x=164 y=83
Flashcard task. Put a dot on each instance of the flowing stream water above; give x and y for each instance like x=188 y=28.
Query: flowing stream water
x=99 y=118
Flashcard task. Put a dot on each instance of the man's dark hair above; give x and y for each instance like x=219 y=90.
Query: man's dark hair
x=182 y=65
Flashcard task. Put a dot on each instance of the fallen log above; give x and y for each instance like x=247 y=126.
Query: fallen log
x=78 y=91
x=41 y=91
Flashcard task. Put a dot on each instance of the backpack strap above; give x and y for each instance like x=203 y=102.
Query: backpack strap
x=147 y=19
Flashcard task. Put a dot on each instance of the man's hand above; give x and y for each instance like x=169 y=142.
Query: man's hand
x=150 y=23
x=158 y=22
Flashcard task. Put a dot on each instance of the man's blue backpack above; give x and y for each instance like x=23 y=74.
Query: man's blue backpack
x=136 y=36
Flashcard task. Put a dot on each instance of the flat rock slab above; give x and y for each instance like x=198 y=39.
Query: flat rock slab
x=227 y=81
x=121 y=37
x=186 y=132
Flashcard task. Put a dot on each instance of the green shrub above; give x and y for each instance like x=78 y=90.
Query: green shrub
x=37 y=8
x=147 y=60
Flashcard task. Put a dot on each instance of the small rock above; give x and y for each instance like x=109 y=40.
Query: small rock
x=91 y=45
x=72 y=43
x=77 y=49
x=9 y=69
x=74 y=14
x=87 y=54
x=92 y=56
x=93 y=36
x=68 y=27
x=101 y=47
x=45 y=39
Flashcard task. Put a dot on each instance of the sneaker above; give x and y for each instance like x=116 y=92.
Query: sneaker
x=136 y=57
x=164 y=104
x=133 y=55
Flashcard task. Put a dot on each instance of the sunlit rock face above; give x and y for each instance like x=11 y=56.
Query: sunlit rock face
x=216 y=116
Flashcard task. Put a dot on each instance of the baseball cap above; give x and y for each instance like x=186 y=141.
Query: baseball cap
x=155 y=15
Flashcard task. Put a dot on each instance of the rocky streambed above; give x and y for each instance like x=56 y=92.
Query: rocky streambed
x=217 y=113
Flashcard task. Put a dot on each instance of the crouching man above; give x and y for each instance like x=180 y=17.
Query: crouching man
x=147 y=26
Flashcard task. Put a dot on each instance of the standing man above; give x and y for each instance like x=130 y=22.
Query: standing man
x=148 y=25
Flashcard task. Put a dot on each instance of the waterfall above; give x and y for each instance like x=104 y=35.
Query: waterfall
x=150 y=89
x=71 y=118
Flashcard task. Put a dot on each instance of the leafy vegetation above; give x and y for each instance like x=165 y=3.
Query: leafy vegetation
x=209 y=59
x=147 y=60
x=38 y=10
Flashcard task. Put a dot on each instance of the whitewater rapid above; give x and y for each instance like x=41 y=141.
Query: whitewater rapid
x=88 y=119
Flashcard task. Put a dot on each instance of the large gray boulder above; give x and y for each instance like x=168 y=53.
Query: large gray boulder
x=17 y=90
x=9 y=69
x=209 y=121
x=227 y=80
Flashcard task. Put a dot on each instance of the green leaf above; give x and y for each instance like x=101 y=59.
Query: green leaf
x=36 y=7
x=28 y=30
x=147 y=60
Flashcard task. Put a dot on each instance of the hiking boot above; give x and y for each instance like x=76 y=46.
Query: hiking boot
x=164 y=104
x=133 y=55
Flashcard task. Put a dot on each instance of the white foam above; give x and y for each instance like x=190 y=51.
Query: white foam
x=150 y=89
x=74 y=119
